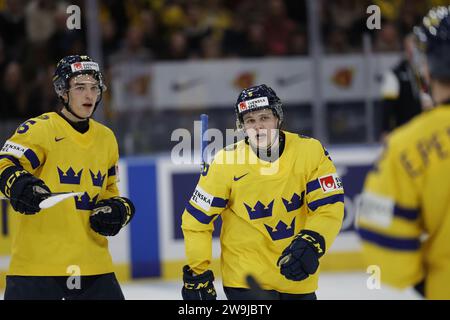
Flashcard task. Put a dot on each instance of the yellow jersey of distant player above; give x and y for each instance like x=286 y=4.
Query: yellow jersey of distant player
x=263 y=205
x=404 y=216
x=56 y=240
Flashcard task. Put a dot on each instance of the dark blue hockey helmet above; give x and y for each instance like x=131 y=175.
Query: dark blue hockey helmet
x=257 y=98
x=72 y=66
x=433 y=38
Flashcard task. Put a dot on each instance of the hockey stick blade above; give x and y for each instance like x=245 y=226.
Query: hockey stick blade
x=54 y=198
x=57 y=198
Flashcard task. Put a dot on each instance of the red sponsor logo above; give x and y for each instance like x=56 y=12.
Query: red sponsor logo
x=242 y=106
x=77 y=66
x=330 y=183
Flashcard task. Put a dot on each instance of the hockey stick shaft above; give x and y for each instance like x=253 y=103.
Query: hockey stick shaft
x=204 y=139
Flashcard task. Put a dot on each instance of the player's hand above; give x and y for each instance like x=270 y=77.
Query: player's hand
x=111 y=215
x=198 y=287
x=24 y=190
x=301 y=257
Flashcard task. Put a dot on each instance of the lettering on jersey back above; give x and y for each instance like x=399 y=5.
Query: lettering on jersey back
x=434 y=146
x=427 y=146
x=408 y=165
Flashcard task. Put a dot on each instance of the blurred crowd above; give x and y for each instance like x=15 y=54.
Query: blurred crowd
x=34 y=36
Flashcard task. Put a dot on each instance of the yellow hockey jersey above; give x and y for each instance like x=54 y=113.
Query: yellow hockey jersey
x=50 y=242
x=263 y=206
x=404 y=215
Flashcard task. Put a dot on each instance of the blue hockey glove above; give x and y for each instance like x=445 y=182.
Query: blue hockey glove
x=198 y=287
x=111 y=215
x=24 y=190
x=301 y=257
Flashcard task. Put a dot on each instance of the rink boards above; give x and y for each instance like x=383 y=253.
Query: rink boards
x=152 y=245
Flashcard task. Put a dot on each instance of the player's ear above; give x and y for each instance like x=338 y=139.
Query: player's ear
x=65 y=96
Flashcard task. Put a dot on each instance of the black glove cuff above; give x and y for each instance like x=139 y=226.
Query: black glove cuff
x=9 y=177
x=127 y=207
x=314 y=239
x=190 y=278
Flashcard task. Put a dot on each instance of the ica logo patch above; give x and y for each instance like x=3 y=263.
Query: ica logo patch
x=330 y=183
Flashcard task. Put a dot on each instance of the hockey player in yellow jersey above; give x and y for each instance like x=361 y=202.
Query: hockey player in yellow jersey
x=404 y=214
x=281 y=204
x=62 y=152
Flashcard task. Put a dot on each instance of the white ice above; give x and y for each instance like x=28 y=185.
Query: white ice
x=332 y=286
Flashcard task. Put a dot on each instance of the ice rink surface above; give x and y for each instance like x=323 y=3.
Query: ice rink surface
x=332 y=286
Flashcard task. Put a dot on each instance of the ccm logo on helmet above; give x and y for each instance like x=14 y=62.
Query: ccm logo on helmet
x=330 y=183
x=79 y=66
x=253 y=103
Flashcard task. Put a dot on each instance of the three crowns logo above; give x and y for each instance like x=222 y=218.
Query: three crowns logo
x=97 y=179
x=69 y=177
x=259 y=210
x=295 y=203
x=281 y=230
x=85 y=202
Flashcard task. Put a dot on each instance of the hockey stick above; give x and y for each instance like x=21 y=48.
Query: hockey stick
x=204 y=140
x=54 y=198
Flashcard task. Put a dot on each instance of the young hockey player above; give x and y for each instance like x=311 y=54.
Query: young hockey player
x=281 y=204
x=404 y=215
x=62 y=252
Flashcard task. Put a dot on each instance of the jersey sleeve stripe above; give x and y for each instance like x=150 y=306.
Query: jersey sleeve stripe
x=112 y=171
x=219 y=202
x=199 y=215
x=312 y=185
x=328 y=200
x=396 y=243
x=12 y=159
x=33 y=158
x=409 y=214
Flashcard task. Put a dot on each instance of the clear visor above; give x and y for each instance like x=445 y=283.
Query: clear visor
x=84 y=83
